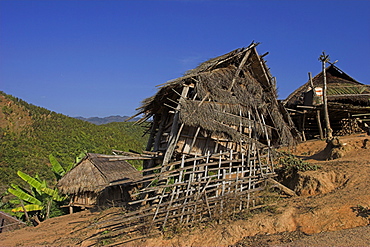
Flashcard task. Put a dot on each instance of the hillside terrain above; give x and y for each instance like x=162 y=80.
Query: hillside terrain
x=28 y=134
x=331 y=209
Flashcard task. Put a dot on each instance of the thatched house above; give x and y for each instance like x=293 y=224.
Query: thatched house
x=9 y=223
x=225 y=104
x=219 y=105
x=347 y=98
x=98 y=180
x=211 y=140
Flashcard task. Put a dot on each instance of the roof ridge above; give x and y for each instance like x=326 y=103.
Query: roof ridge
x=91 y=157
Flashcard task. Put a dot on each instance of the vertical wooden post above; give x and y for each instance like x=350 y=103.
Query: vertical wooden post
x=311 y=82
x=303 y=125
x=25 y=211
x=152 y=134
x=2 y=224
x=174 y=129
x=329 y=132
x=318 y=119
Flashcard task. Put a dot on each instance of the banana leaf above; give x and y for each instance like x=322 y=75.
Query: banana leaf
x=28 y=207
x=40 y=187
x=6 y=210
x=54 y=194
x=30 y=180
x=16 y=187
x=24 y=196
x=15 y=201
x=56 y=167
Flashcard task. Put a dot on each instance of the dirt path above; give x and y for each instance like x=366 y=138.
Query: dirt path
x=326 y=213
x=359 y=236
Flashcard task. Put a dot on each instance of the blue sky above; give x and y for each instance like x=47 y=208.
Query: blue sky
x=102 y=58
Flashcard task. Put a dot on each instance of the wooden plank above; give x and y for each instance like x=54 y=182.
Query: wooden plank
x=283 y=188
x=175 y=131
x=360 y=115
x=239 y=69
x=194 y=139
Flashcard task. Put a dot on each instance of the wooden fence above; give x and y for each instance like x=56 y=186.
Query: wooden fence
x=194 y=189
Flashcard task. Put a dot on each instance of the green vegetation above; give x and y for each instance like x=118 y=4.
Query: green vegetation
x=39 y=198
x=291 y=164
x=59 y=170
x=39 y=201
x=28 y=134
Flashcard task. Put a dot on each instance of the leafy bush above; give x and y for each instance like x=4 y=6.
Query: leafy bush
x=290 y=164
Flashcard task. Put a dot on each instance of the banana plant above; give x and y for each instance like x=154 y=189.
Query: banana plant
x=39 y=198
x=41 y=187
x=34 y=203
x=58 y=170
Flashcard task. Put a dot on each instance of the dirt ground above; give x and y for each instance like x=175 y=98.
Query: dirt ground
x=331 y=210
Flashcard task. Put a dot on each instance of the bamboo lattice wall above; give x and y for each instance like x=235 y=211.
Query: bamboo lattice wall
x=196 y=189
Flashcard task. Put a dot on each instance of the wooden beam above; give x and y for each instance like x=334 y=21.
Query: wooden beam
x=174 y=129
x=239 y=69
x=283 y=188
x=318 y=119
x=360 y=115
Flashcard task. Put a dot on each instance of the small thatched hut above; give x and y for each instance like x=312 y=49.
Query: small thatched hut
x=97 y=180
x=346 y=98
x=9 y=223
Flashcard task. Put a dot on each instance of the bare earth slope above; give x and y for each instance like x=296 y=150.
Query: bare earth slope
x=325 y=213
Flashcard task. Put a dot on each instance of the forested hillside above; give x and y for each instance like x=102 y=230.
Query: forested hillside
x=28 y=134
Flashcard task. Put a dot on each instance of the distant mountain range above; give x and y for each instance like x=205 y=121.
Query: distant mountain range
x=105 y=120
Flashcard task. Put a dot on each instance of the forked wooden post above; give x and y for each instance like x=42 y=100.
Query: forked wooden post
x=329 y=132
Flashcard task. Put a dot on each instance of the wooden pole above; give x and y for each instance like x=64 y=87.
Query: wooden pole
x=318 y=119
x=174 y=129
x=329 y=132
x=25 y=211
x=239 y=69
x=303 y=125
x=317 y=111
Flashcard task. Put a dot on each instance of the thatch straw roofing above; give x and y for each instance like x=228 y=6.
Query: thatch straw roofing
x=225 y=90
x=341 y=88
x=94 y=173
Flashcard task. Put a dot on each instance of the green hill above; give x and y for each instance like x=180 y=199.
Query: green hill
x=28 y=134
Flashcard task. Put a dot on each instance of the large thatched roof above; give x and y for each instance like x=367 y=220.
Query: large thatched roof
x=341 y=88
x=95 y=172
x=224 y=91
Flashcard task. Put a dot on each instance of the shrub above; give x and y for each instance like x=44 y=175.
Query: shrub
x=290 y=164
